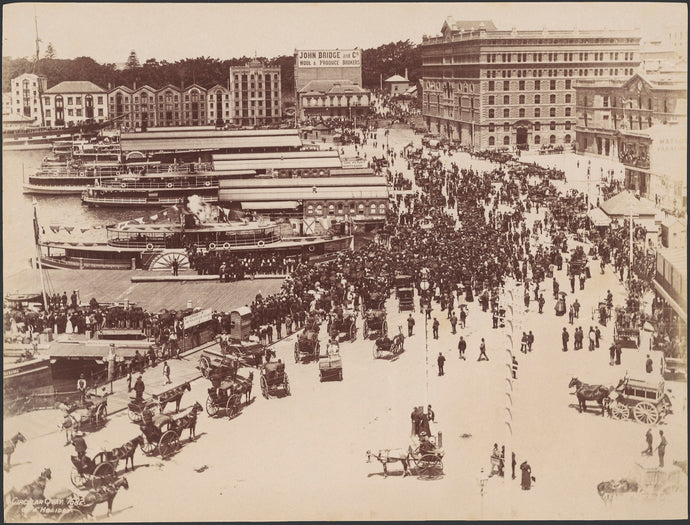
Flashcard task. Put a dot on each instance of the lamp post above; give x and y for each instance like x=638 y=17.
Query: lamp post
x=508 y=450
x=424 y=286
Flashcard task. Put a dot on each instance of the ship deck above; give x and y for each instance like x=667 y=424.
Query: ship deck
x=109 y=286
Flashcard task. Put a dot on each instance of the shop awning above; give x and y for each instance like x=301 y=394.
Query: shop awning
x=598 y=217
x=270 y=205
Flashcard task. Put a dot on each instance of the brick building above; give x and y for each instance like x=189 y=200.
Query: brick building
x=256 y=94
x=26 y=91
x=493 y=89
x=72 y=103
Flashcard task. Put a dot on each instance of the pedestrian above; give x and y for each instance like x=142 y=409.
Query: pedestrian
x=175 y=266
x=139 y=389
x=482 y=351
x=571 y=314
x=541 y=303
x=572 y=283
x=597 y=335
x=526 y=480
x=650 y=439
x=463 y=317
x=174 y=347
x=440 y=360
x=410 y=325
x=494 y=318
x=530 y=341
x=565 y=337
x=582 y=281
x=576 y=309
x=453 y=323
x=166 y=372
x=648 y=365
x=661 y=448
x=434 y=328
x=523 y=343
x=462 y=346
x=612 y=354
x=592 y=339
x=129 y=380
x=619 y=349
x=81 y=387
x=430 y=414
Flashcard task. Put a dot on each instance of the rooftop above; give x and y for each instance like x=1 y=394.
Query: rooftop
x=332 y=87
x=76 y=86
x=396 y=78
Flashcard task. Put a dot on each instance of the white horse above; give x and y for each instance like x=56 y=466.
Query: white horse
x=391 y=455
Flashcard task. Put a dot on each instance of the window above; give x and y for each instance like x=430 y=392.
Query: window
x=331 y=209
x=382 y=209
x=100 y=100
x=552 y=139
x=492 y=127
x=360 y=209
x=47 y=101
x=567 y=98
x=506 y=85
x=567 y=84
x=310 y=209
x=506 y=127
x=78 y=112
x=506 y=99
x=319 y=209
x=491 y=85
x=491 y=100
x=70 y=112
x=537 y=139
x=537 y=112
x=552 y=112
x=552 y=85
x=69 y=101
x=521 y=112
x=537 y=84
x=568 y=124
x=47 y=113
x=372 y=209
x=521 y=85
x=552 y=99
x=506 y=140
x=552 y=125
x=537 y=126
x=491 y=113
x=567 y=112
x=506 y=113
x=605 y=101
x=537 y=99
x=492 y=141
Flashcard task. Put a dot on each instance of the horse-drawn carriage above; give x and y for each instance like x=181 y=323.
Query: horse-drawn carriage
x=626 y=330
x=307 y=346
x=274 y=378
x=406 y=299
x=89 y=416
x=645 y=400
x=162 y=432
x=372 y=301
x=646 y=481
x=330 y=363
x=90 y=473
x=426 y=459
x=401 y=282
x=136 y=410
x=375 y=324
x=385 y=344
x=225 y=394
x=247 y=354
x=344 y=326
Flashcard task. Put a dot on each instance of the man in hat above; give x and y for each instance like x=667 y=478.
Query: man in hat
x=426 y=446
x=166 y=372
x=441 y=361
x=81 y=387
x=139 y=389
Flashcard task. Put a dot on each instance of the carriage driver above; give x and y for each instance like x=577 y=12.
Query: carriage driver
x=426 y=446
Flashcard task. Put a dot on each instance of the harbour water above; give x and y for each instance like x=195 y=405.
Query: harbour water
x=18 y=241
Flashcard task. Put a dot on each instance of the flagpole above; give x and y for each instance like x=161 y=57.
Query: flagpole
x=38 y=254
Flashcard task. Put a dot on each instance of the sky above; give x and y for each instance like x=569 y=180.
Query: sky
x=108 y=32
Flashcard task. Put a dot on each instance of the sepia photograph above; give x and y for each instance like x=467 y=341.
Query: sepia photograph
x=367 y=261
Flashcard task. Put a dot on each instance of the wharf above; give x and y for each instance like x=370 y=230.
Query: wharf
x=109 y=286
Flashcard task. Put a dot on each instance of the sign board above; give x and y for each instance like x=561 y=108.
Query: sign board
x=197 y=318
x=353 y=162
x=329 y=58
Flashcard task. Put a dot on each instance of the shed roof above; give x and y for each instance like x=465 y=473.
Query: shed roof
x=621 y=204
x=396 y=78
x=332 y=87
x=75 y=86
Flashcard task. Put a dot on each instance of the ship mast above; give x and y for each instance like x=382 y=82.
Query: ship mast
x=35 y=69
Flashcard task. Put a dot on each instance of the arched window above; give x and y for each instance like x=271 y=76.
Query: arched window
x=372 y=209
x=491 y=127
x=537 y=112
x=506 y=99
x=567 y=98
x=566 y=139
x=522 y=99
x=506 y=140
x=506 y=113
x=537 y=99
x=340 y=208
x=382 y=209
x=492 y=141
x=552 y=139
x=331 y=209
x=319 y=209
x=552 y=99
x=506 y=126
x=552 y=112
x=537 y=139
x=491 y=100
x=360 y=209
x=552 y=126
x=521 y=112
x=310 y=209
x=491 y=113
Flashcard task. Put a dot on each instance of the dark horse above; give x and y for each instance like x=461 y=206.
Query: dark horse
x=125 y=452
x=187 y=419
x=585 y=392
x=9 y=446
x=33 y=491
x=174 y=395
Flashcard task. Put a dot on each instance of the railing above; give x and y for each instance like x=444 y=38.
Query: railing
x=134 y=200
x=220 y=243
x=160 y=184
x=83 y=262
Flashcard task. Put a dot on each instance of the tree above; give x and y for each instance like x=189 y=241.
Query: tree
x=132 y=61
x=50 y=51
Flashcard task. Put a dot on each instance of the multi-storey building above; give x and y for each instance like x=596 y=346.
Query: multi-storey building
x=26 y=96
x=120 y=106
x=144 y=107
x=193 y=109
x=333 y=98
x=7 y=103
x=492 y=89
x=168 y=106
x=256 y=94
x=219 y=100
x=71 y=103
x=640 y=122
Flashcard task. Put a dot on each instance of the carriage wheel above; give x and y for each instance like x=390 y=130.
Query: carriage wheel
x=15 y=512
x=168 y=444
x=70 y=516
x=103 y=474
x=78 y=480
x=384 y=328
x=232 y=407
x=429 y=467
x=99 y=458
x=619 y=411
x=286 y=385
x=147 y=447
x=211 y=407
x=204 y=366
x=353 y=331
x=135 y=414
x=376 y=352
x=646 y=413
x=264 y=387
x=101 y=414
x=297 y=351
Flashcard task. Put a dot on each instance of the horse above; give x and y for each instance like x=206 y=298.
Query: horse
x=34 y=490
x=125 y=451
x=391 y=455
x=244 y=386
x=9 y=446
x=174 y=395
x=608 y=489
x=86 y=503
x=585 y=392
x=189 y=419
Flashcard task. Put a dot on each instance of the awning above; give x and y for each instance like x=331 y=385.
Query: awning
x=671 y=301
x=598 y=217
x=648 y=224
x=270 y=205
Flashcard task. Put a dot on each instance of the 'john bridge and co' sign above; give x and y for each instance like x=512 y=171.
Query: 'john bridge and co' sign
x=329 y=58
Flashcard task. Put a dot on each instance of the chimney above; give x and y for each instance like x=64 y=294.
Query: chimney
x=405 y=73
x=109 y=86
x=135 y=86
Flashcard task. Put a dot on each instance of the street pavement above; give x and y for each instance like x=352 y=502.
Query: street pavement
x=303 y=456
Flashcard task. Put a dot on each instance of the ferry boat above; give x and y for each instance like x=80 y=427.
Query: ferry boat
x=153 y=190
x=153 y=243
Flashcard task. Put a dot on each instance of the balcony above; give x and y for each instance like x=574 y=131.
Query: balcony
x=634 y=160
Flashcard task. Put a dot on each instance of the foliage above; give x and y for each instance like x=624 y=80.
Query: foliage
x=132 y=61
x=391 y=59
x=50 y=51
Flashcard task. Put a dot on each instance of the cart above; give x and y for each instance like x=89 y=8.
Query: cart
x=373 y=301
x=402 y=282
x=137 y=409
x=88 y=473
x=225 y=395
x=90 y=416
x=330 y=363
x=215 y=356
x=395 y=346
x=406 y=299
x=625 y=331
x=375 y=324
x=646 y=401
x=162 y=432
x=658 y=481
x=274 y=378
x=344 y=327
x=307 y=346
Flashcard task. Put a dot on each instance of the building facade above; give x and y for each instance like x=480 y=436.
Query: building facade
x=256 y=94
x=71 y=103
x=219 y=110
x=7 y=103
x=26 y=92
x=397 y=85
x=506 y=89
x=333 y=98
